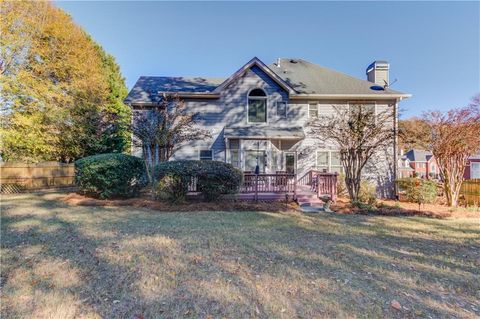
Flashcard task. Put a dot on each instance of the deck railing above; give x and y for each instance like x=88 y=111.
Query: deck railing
x=309 y=177
x=269 y=183
x=325 y=184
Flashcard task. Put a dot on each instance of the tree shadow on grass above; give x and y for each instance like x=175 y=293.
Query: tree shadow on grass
x=240 y=264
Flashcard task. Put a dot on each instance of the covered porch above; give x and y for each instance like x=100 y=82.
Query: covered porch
x=272 y=149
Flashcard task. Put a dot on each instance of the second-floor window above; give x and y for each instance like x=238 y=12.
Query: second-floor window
x=257 y=106
x=313 y=110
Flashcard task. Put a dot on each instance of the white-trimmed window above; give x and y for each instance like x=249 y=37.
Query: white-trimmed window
x=205 y=155
x=329 y=161
x=312 y=110
x=281 y=109
x=257 y=106
x=235 y=158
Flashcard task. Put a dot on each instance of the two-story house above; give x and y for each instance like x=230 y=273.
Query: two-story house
x=421 y=163
x=259 y=115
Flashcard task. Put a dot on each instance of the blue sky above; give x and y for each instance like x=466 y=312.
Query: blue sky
x=432 y=47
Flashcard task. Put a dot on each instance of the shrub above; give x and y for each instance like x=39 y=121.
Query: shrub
x=368 y=193
x=174 y=178
x=216 y=178
x=418 y=190
x=109 y=175
x=213 y=178
x=171 y=188
x=341 y=186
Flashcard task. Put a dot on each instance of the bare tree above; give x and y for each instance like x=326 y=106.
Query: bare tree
x=161 y=130
x=359 y=132
x=455 y=137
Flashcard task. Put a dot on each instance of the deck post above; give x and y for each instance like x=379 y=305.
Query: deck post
x=334 y=193
x=295 y=187
x=256 y=187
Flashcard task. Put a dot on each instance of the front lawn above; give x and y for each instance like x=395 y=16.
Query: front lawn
x=65 y=261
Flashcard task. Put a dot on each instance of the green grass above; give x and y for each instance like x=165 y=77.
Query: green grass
x=61 y=261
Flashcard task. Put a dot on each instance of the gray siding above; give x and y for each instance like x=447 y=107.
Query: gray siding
x=231 y=109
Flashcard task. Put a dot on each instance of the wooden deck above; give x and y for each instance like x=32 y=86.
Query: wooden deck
x=281 y=186
x=284 y=186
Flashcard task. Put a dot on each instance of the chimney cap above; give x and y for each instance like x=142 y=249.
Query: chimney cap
x=378 y=64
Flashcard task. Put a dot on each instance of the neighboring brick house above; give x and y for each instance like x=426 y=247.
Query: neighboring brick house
x=259 y=115
x=404 y=168
x=472 y=171
x=418 y=163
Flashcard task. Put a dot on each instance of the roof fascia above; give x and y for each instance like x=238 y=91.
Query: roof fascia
x=255 y=61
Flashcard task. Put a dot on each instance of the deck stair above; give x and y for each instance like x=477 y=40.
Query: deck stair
x=308 y=199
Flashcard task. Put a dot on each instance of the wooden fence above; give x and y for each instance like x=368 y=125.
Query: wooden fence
x=470 y=191
x=18 y=177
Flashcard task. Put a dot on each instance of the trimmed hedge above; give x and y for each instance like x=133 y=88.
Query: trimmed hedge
x=109 y=175
x=212 y=178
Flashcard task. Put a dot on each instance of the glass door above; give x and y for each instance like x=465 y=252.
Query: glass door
x=290 y=162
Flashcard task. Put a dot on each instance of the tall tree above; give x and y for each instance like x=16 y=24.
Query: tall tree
x=413 y=133
x=161 y=130
x=359 y=133
x=116 y=115
x=55 y=86
x=455 y=136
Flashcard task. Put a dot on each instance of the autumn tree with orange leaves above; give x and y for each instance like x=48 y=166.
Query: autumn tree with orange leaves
x=455 y=136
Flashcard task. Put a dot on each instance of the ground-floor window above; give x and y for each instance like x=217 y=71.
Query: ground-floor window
x=329 y=161
x=235 y=158
x=205 y=155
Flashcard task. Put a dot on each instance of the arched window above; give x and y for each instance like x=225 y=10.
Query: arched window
x=257 y=106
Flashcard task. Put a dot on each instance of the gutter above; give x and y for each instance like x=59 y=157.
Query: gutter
x=349 y=96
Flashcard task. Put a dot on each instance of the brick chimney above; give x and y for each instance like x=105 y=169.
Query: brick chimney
x=377 y=73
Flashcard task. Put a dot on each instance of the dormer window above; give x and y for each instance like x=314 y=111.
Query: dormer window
x=257 y=106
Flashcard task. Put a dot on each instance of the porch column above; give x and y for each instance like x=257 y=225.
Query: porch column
x=227 y=151
x=241 y=155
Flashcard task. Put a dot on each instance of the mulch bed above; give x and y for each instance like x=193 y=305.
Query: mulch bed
x=342 y=206
x=190 y=205
x=392 y=208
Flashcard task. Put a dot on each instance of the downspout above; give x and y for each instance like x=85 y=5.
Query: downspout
x=395 y=151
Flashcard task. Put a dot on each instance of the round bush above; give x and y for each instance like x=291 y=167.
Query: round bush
x=217 y=178
x=171 y=188
x=212 y=178
x=109 y=175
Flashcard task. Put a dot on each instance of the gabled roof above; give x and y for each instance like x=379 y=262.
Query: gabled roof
x=255 y=62
x=307 y=78
x=419 y=155
x=300 y=78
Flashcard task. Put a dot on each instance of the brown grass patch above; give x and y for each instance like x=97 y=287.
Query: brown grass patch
x=134 y=262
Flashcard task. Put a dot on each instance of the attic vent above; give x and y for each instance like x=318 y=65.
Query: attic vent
x=293 y=61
